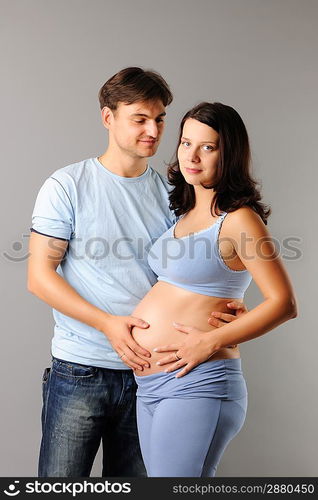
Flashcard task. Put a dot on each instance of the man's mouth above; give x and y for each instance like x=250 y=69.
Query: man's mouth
x=148 y=141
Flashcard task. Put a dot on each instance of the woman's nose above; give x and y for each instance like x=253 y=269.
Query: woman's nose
x=193 y=157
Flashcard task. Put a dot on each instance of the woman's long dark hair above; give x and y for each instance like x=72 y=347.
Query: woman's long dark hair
x=233 y=185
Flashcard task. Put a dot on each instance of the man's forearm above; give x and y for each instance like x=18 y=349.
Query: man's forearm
x=55 y=291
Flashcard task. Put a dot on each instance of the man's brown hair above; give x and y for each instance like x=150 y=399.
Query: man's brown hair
x=134 y=84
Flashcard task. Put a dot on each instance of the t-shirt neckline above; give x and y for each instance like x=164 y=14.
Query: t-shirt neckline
x=120 y=177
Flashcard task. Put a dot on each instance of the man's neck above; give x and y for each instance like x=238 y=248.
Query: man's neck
x=123 y=165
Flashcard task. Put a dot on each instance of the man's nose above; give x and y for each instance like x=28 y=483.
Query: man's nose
x=152 y=129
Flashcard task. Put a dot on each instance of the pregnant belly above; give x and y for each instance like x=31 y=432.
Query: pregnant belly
x=163 y=305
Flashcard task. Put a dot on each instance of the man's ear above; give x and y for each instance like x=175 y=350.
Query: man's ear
x=107 y=116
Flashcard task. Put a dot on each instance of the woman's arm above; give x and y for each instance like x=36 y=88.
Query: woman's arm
x=257 y=251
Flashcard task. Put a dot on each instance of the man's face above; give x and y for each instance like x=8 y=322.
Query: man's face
x=136 y=129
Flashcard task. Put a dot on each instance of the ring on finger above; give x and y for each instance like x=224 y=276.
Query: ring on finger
x=177 y=357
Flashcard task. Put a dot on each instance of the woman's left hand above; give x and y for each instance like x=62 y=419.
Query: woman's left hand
x=197 y=347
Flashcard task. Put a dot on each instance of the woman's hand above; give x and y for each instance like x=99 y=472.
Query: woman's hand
x=197 y=347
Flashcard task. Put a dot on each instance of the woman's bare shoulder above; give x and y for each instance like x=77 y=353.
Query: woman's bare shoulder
x=244 y=215
x=246 y=221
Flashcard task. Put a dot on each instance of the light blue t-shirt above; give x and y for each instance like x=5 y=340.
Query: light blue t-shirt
x=111 y=223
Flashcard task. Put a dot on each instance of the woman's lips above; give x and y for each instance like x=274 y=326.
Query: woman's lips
x=193 y=170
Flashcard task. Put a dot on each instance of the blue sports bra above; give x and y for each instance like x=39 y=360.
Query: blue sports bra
x=194 y=262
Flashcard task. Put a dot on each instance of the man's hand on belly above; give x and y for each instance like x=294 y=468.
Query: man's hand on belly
x=118 y=331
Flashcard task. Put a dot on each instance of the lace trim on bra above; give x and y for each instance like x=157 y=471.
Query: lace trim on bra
x=196 y=232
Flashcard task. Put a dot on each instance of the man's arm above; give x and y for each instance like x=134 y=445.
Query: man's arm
x=46 y=253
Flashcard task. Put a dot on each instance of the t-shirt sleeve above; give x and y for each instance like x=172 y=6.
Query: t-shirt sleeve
x=53 y=213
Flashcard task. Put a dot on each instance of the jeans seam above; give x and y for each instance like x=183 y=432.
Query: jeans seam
x=121 y=397
x=45 y=403
x=74 y=377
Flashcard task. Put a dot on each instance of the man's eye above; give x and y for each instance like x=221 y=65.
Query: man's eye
x=139 y=121
x=159 y=120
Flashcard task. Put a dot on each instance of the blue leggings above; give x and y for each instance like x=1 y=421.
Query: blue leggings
x=185 y=424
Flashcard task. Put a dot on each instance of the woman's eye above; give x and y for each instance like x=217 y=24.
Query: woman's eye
x=185 y=143
x=208 y=148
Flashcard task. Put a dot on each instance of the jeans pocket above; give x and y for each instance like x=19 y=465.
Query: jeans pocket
x=68 y=369
x=46 y=375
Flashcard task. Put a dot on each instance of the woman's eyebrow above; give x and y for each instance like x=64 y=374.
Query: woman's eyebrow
x=203 y=142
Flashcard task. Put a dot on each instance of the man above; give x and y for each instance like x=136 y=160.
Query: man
x=92 y=225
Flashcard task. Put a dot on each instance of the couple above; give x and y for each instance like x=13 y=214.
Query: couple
x=133 y=265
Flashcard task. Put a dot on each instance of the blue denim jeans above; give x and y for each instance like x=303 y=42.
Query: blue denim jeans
x=82 y=406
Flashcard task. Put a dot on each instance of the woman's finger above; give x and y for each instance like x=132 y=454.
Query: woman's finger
x=168 y=359
x=185 y=370
x=168 y=347
x=175 y=366
x=183 y=328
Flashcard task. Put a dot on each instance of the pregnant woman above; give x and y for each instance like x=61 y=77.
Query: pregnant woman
x=186 y=418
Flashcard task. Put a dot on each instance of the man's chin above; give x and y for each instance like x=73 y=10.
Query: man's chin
x=147 y=152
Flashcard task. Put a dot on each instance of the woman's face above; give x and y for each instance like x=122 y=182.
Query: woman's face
x=198 y=152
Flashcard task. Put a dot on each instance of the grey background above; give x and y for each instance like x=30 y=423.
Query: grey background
x=259 y=57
